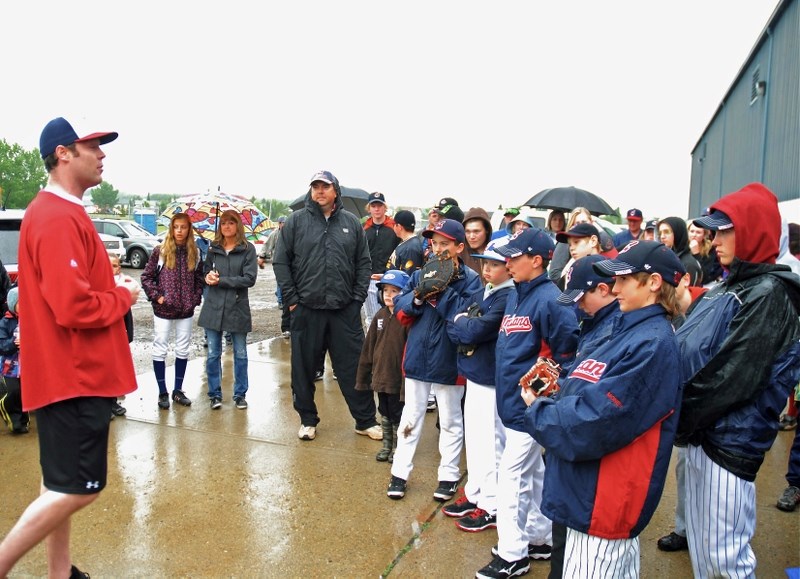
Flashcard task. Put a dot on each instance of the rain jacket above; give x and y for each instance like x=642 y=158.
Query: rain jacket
x=740 y=346
x=596 y=330
x=381 y=242
x=226 y=307
x=608 y=432
x=430 y=354
x=681 y=248
x=534 y=324
x=182 y=289
x=323 y=264
x=480 y=331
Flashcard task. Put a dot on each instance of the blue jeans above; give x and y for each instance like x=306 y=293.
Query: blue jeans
x=214 y=363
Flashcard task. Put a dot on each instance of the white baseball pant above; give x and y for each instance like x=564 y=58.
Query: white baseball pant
x=484 y=438
x=590 y=557
x=183 y=337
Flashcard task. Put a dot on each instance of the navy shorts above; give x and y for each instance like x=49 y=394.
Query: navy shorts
x=73 y=444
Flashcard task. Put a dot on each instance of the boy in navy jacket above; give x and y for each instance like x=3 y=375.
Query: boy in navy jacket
x=475 y=332
x=430 y=364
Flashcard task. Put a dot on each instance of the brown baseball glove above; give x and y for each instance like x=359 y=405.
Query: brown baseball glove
x=434 y=276
x=474 y=311
x=542 y=378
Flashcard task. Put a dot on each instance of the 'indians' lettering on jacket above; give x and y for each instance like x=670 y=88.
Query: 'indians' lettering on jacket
x=589 y=370
x=513 y=324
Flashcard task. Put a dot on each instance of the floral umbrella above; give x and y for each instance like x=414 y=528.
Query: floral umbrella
x=203 y=211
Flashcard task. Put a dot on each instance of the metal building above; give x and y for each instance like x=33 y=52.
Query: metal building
x=754 y=134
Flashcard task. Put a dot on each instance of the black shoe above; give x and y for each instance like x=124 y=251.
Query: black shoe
x=673 y=542
x=240 y=402
x=397 y=488
x=500 y=568
x=477 y=520
x=228 y=339
x=163 y=401
x=181 y=398
x=216 y=403
x=75 y=573
x=20 y=430
x=445 y=490
x=118 y=410
x=789 y=499
x=461 y=508
x=318 y=376
x=536 y=552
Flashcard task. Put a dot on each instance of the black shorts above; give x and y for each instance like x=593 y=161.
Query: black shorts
x=73 y=444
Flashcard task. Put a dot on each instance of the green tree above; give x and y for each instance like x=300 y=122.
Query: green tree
x=105 y=197
x=22 y=175
x=272 y=207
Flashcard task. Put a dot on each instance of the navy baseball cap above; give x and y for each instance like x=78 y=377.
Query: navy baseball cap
x=651 y=224
x=715 y=221
x=449 y=228
x=325 y=177
x=634 y=215
x=531 y=241
x=394 y=277
x=405 y=218
x=60 y=132
x=644 y=256
x=377 y=197
x=581 y=277
x=579 y=230
x=490 y=252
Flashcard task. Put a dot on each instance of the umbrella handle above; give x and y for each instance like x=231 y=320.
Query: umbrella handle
x=216 y=221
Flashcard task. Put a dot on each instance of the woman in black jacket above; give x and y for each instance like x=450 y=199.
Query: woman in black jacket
x=231 y=269
x=673 y=233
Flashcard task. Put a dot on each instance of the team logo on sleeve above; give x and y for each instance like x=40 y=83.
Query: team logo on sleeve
x=589 y=370
x=513 y=324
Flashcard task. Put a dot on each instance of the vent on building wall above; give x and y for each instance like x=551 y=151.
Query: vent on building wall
x=758 y=86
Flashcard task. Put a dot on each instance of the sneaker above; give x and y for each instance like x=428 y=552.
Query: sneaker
x=75 y=573
x=318 y=375
x=397 y=488
x=181 y=398
x=461 y=508
x=478 y=520
x=787 y=422
x=307 y=433
x=672 y=542
x=374 y=432
x=216 y=403
x=163 y=401
x=23 y=429
x=117 y=409
x=500 y=568
x=445 y=490
x=431 y=405
x=536 y=552
x=286 y=335
x=789 y=499
x=240 y=402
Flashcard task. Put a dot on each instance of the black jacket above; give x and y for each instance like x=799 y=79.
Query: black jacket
x=226 y=307
x=322 y=264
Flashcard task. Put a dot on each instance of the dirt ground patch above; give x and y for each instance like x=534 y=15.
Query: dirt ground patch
x=263 y=304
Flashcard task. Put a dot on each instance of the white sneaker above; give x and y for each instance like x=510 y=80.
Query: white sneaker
x=374 y=432
x=286 y=335
x=307 y=433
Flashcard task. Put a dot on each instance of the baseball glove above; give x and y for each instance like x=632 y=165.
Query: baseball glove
x=542 y=378
x=474 y=311
x=434 y=276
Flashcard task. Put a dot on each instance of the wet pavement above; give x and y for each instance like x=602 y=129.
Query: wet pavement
x=233 y=493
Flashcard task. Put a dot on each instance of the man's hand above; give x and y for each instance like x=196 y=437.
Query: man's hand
x=132 y=286
x=261 y=261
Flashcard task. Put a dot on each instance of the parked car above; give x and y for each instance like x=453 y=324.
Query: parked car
x=113 y=245
x=138 y=242
x=10 y=222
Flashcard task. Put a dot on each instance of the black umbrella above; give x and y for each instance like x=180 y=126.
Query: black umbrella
x=354 y=200
x=568 y=198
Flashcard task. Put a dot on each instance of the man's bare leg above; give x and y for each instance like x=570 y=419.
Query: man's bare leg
x=48 y=517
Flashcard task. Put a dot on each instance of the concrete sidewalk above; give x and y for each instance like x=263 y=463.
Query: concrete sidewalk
x=233 y=493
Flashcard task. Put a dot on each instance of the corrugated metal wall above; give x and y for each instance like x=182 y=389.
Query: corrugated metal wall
x=756 y=137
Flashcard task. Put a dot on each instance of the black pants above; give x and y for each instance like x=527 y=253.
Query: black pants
x=342 y=332
x=557 y=556
x=12 y=405
x=285 y=318
x=390 y=406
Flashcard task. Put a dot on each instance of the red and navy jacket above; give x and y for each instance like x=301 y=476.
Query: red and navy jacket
x=534 y=324
x=609 y=431
x=430 y=354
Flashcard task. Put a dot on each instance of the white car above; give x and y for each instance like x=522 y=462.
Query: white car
x=113 y=245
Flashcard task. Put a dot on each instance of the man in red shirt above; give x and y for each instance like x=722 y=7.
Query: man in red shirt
x=77 y=355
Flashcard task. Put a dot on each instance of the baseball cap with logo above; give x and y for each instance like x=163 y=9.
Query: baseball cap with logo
x=634 y=215
x=581 y=277
x=325 y=177
x=60 y=132
x=644 y=256
x=490 y=252
x=377 y=197
x=579 y=230
x=651 y=225
x=715 y=221
x=444 y=202
x=513 y=211
x=394 y=277
x=405 y=218
x=531 y=241
x=449 y=228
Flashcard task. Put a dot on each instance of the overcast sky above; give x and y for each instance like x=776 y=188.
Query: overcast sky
x=487 y=102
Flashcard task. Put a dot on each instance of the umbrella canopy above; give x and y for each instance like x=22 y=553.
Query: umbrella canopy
x=354 y=200
x=568 y=198
x=202 y=211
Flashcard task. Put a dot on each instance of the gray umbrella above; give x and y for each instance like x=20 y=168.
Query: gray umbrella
x=354 y=200
x=568 y=198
